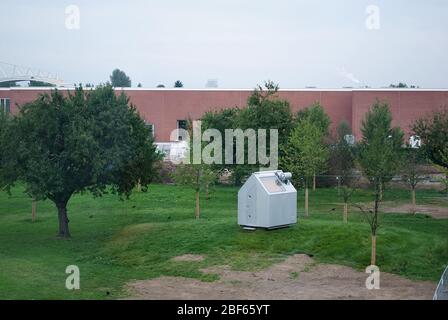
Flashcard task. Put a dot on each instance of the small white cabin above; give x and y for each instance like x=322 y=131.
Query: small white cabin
x=267 y=200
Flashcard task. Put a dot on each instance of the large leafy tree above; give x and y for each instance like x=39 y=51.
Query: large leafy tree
x=118 y=78
x=88 y=141
x=4 y=123
x=379 y=157
x=317 y=115
x=270 y=114
x=304 y=153
x=261 y=93
x=264 y=111
x=6 y=146
x=433 y=131
x=8 y=163
x=221 y=120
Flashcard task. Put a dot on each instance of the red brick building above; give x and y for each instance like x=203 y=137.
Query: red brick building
x=165 y=107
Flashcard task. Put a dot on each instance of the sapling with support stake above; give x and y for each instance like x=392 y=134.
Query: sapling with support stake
x=379 y=156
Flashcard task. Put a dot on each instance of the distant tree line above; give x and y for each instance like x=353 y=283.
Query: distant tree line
x=119 y=79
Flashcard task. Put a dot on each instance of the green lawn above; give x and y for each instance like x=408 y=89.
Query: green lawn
x=114 y=241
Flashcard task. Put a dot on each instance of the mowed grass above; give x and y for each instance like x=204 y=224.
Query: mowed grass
x=114 y=242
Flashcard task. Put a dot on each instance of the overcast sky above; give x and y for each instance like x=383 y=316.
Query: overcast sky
x=322 y=43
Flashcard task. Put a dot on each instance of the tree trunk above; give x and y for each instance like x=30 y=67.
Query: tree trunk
x=381 y=191
x=374 y=224
x=445 y=182
x=207 y=193
x=63 y=220
x=314 y=182
x=198 y=213
x=414 y=210
x=373 y=257
x=306 y=201
x=139 y=186
x=345 y=212
x=33 y=210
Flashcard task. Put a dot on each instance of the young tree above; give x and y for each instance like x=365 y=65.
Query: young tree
x=178 y=84
x=210 y=178
x=198 y=176
x=89 y=141
x=379 y=157
x=346 y=192
x=304 y=153
x=444 y=169
x=342 y=160
x=411 y=172
x=118 y=78
x=316 y=115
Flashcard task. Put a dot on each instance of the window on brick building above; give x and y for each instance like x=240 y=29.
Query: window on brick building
x=5 y=105
x=181 y=124
x=151 y=127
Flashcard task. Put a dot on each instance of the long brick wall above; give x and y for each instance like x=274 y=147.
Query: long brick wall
x=163 y=107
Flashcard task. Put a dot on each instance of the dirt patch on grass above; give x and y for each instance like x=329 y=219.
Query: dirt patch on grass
x=434 y=211
x=188 y=257
x=127 y=234
x=298 y=277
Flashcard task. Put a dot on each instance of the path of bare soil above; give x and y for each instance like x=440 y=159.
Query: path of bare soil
x=189 y=257
x=298 y=277
x=436 y=212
